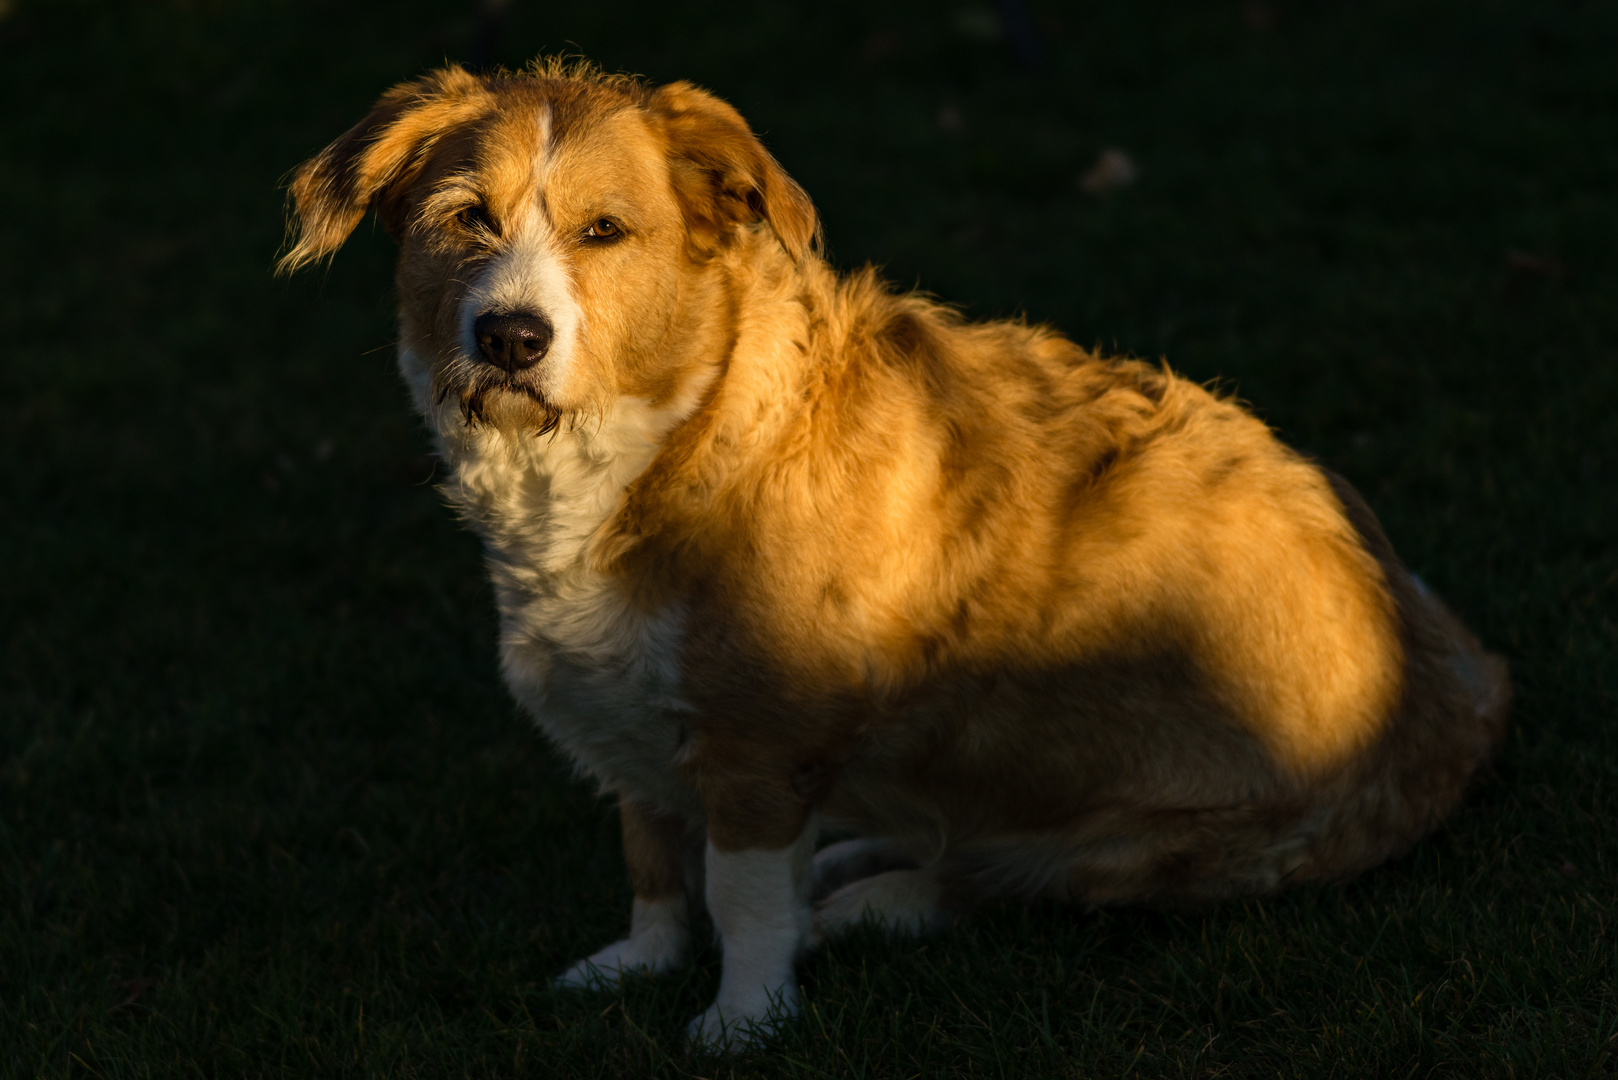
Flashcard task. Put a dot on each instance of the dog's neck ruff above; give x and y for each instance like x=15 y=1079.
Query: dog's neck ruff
x=598 y=672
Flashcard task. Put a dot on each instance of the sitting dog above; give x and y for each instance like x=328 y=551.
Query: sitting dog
x=781 y=554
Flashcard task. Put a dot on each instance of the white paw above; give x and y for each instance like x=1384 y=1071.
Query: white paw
x=606 y=969
x=738 y=1025
x=658 y=941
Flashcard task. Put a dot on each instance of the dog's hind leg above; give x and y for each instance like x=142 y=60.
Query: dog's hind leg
x=901 y=902
x=846 y=861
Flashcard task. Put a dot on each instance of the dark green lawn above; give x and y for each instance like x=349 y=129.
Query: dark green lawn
x=265 y=807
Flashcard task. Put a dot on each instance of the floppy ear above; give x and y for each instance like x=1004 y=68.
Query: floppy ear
x=373 y=160
x=723 y=176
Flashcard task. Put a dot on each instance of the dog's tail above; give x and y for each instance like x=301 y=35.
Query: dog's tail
x=1486 y=676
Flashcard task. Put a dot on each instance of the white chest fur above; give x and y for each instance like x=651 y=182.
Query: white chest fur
x=599 y=674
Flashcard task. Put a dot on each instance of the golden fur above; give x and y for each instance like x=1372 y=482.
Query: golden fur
x=777 y=548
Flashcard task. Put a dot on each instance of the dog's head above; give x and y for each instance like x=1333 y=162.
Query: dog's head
x=558 y=230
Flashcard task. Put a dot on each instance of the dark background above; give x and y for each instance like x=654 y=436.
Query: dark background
x=265 y=808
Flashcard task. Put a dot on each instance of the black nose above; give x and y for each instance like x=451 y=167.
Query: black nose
x=512 y=342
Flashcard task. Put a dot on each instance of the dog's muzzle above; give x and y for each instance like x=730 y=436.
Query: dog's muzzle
x=512 y=343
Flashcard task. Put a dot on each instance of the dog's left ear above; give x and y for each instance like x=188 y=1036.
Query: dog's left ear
x=724 y=177
x=372 y=161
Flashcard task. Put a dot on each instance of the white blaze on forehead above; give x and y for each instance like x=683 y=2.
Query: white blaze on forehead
x=542 y=153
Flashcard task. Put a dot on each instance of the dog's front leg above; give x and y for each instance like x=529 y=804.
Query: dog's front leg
x=759 y=900
x=659 y=922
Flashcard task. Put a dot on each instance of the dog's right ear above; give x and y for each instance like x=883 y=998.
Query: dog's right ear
x=373 y=160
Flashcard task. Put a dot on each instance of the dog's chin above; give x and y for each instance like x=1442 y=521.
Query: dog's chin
x=509 y=406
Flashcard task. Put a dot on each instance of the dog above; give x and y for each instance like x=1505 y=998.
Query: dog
x=783 y=555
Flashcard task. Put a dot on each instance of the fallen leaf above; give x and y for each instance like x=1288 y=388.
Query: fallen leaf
x=1114 y=169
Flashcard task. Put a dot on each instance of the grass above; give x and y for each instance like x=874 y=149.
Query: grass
x=265 y=808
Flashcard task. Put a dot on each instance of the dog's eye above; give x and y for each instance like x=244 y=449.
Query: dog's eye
x=603 y=229
x=476 y=217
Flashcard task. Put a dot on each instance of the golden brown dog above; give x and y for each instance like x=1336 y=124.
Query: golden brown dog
x=778 y=551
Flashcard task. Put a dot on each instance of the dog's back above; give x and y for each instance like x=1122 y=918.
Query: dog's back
x=1050 y=624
